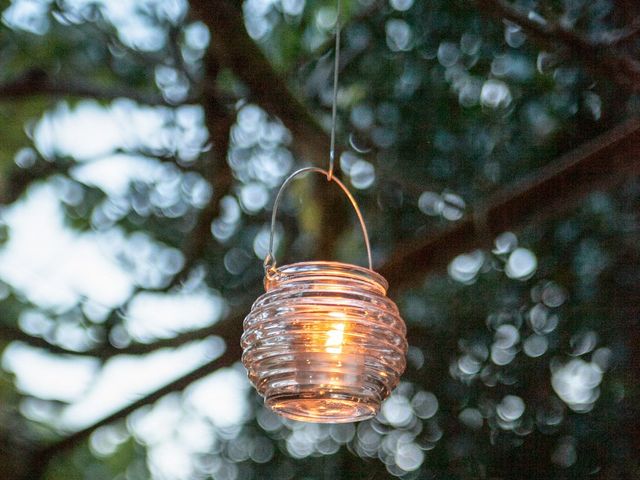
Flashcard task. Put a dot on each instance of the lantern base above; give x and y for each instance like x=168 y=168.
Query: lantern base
x=330 y=408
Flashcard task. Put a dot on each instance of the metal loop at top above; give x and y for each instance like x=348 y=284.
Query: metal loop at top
x=270 y=259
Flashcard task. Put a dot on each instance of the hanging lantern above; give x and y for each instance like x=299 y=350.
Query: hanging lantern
x=324 y=343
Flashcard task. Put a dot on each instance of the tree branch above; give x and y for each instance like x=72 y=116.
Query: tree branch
x=36 y=81
x=600 y=57
x=106 y=351
x=234 y=49
x=217 y=171
x=13 y=334
x=328 y=45
x=18 y=179
x=619 y=37
x=544 y=194
x=231 y=355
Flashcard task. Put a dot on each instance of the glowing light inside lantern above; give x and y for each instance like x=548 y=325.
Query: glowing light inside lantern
x=335 y=336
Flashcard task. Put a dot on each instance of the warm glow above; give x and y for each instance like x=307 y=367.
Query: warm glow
x=335 y=336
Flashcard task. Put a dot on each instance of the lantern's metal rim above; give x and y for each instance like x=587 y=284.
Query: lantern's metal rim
x=339 y=269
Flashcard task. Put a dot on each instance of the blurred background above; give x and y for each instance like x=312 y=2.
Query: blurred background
x=491 y=145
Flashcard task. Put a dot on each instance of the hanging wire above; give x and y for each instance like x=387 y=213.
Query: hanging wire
x=270 y=259
x=336 y=71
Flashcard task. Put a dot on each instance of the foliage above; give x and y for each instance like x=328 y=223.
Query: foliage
x=136 y=131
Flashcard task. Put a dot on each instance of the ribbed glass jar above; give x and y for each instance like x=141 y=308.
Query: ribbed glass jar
x=324 y=343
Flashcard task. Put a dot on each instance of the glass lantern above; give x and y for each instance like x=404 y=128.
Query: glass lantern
x=324 y=344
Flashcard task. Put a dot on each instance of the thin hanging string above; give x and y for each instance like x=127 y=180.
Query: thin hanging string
x=336 y=72
x=270 y=259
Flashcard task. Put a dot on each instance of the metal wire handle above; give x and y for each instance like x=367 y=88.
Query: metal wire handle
x=270 y=259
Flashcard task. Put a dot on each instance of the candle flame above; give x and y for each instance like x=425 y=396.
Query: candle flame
x=335 y=336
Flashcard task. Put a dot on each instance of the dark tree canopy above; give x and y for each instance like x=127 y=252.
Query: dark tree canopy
x=492 y=145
